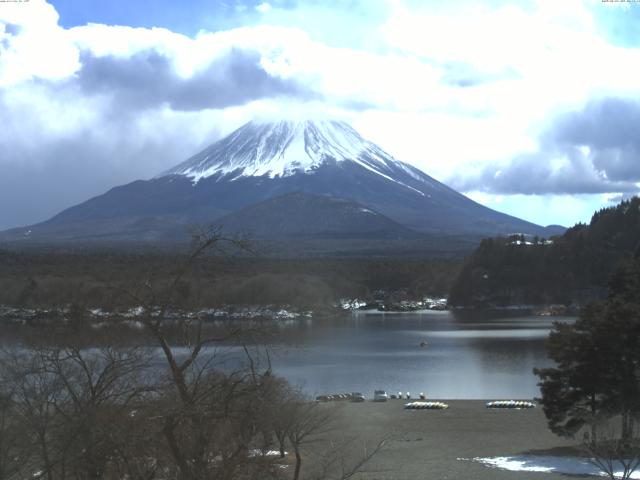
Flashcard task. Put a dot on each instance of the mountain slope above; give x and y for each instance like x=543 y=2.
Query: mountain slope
x=260 y=161
x=305 y=215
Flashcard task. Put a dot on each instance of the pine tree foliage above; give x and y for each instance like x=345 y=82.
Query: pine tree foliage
x=597 y=372
x=571 y=268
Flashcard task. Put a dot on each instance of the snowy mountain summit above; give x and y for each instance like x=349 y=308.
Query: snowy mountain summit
x=318 y=180
x=285 y=148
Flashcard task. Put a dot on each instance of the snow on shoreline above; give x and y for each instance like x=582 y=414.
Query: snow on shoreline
x=426 y=304
x=15 y=315
x=544 y=464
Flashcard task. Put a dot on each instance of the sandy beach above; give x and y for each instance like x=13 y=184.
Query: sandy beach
x=440 y=444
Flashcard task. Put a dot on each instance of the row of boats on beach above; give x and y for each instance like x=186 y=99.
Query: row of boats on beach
x=426 y=406
x=421 y=404
x=511 y=404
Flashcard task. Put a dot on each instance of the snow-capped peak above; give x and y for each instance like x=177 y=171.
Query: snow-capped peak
x=284 y=148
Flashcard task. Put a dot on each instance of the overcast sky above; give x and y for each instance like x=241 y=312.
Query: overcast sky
x=531 y=108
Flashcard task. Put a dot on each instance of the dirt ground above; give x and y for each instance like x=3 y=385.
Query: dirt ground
x=439 y=444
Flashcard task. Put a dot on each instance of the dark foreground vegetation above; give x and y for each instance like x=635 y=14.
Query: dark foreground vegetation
x=196 y=402
x=573 y=268
x=594 y=389
x=68 y=412
x=42 y=279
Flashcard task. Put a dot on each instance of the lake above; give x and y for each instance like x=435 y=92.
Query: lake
x=469 y=355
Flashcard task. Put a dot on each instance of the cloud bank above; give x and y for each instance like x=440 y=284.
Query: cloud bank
x=528 y=99
x=590 y=151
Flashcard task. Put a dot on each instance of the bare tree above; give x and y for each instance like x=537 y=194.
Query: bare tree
x=338 y=462
x=35 y=395
x=278 y=397
x=308 y=422
x=74 y=404
x=100 y=388
x=615 y=453
x=309 y=429
x=14 y=443
x=208 y=413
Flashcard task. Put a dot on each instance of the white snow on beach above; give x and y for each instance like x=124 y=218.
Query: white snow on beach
x=544 y=463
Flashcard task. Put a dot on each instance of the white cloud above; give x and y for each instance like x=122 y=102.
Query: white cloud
x=40 y=49
x=452 y=88
x=264 y=7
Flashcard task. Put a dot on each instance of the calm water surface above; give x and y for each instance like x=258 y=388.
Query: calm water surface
x=469 y=355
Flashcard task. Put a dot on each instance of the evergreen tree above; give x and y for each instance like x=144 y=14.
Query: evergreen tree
x=597 y=373
x=574 y=393
x=573 y=268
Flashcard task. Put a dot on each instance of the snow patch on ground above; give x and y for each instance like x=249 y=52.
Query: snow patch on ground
x=543 y=463
x=261 y=453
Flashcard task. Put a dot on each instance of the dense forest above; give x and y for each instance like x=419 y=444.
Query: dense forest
x=86 y=278
x=570 y=269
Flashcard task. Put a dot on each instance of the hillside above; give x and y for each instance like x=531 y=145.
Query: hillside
x=302 y=214
x=569 y=269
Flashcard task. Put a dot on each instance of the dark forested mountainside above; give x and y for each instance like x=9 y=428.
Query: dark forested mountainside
x=569 y=269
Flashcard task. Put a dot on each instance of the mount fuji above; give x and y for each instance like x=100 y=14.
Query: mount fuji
x=309 y=179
